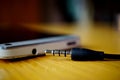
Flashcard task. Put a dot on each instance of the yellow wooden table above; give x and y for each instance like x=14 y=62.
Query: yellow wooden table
x=97 y=37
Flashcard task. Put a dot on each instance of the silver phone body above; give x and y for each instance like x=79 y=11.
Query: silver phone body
x=37 y=46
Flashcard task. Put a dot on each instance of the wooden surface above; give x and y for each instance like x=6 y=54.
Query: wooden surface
x=98 y=37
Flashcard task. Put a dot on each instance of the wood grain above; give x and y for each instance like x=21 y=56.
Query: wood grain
x=63 y=68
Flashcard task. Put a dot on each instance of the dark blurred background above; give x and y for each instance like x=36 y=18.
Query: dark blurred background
x=106 y=10
x=38 y=11
x=13 y=13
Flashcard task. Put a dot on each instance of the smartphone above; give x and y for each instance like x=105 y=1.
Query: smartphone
x=18 y=46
